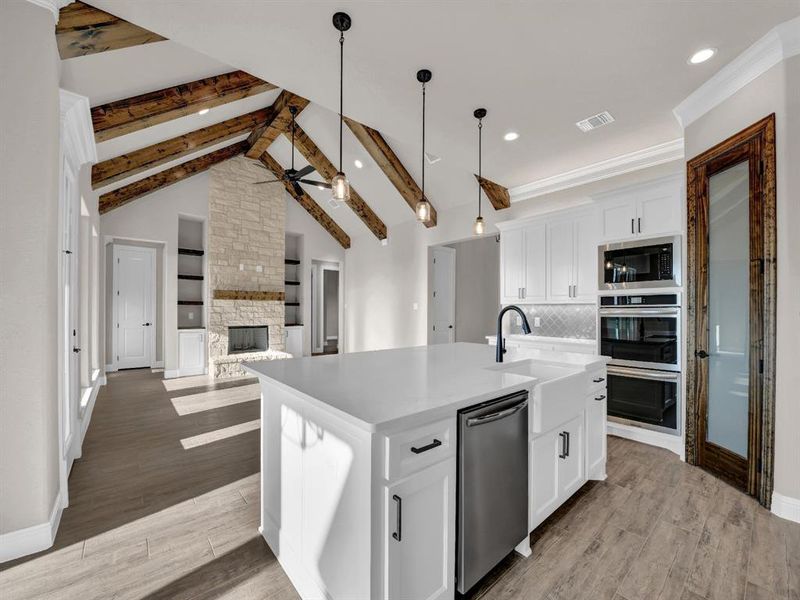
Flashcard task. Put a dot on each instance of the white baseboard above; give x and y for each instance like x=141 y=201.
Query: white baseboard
x=171 y=374
x=111 y=369
x=159 y=364
x=786 y=507
x=32 y=539
x=103 y=380
x=673 y=443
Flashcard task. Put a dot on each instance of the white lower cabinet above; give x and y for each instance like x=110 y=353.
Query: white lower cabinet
x=571 y=465
x=419 y=536
x=596 y=435
x=544 y=494
x=191 y=352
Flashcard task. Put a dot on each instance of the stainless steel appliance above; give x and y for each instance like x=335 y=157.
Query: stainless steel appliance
x=492 y=484
x=642 y=336
x=638 y=264
x=641 y=331
x=645 y=398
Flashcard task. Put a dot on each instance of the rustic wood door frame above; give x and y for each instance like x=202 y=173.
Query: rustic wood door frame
x=757 y=145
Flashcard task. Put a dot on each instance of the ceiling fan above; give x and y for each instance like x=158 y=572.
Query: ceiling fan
x=292 y=175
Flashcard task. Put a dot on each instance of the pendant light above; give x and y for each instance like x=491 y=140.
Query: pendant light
x=423 y=208
x=479 y=227
x=340 y=187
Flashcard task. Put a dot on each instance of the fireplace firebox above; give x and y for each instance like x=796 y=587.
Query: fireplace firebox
x=249 y=338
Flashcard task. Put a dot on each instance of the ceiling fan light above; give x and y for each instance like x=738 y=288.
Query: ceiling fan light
x=479 y=228
x=340 y=188
x=423 y=210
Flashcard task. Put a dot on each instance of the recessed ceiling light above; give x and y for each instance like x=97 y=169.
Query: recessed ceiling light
x=702 y=56
x=358 y=163
x=511 y=136
x=203 y=111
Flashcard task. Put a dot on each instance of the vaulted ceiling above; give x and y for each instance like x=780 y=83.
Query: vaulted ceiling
x=538 y=67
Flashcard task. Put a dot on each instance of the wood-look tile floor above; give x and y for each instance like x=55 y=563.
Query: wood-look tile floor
x=164 y=504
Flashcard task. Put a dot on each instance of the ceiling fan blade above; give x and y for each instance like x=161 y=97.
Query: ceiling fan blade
x=297 y=189
x=322 y=184
x=303 y=172
x=270 y=181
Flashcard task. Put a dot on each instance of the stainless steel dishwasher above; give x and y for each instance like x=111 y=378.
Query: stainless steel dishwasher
x=492 y=485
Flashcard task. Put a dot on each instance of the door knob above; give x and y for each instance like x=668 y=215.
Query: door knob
x=449 y=326
x=75 y=349
x=145 y=324
x=701 y=354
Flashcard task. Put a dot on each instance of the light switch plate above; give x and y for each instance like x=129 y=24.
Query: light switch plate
x=241 y=267
x=537 y=321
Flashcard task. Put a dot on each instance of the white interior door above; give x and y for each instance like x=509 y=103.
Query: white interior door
x=134 y=299
x=443 y=295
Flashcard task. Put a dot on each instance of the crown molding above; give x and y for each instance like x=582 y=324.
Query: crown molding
x=54 y=6
x=77 y=132
x=619 y=165
x=780 y=43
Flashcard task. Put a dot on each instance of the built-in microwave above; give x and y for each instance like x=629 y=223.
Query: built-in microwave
x=639 y=264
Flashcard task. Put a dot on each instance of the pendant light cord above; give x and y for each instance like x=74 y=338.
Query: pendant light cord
x=480 y=156
x=423 y=141
x=341 y=95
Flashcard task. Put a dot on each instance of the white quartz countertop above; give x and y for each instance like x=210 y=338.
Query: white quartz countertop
x=384 y=389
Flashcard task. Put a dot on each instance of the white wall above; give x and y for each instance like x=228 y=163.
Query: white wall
x=384 y=283
x=317 y=244
x=154 y=218
x=778 y=91
x=477 y=285
x=29 y=254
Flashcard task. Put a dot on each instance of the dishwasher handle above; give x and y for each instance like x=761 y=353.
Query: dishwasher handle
x=496 y=416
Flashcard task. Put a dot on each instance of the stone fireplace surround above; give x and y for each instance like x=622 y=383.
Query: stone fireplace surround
x=246 y=250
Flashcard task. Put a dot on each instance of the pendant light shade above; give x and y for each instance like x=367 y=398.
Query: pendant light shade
x=479 y=228
x=340 y=187
x=423 y=208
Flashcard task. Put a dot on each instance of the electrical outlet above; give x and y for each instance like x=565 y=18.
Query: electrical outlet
x=415 y=306
x=259 y=269
x=517 y=320
x=241 y=267
x=537 y=321
x=191 y=316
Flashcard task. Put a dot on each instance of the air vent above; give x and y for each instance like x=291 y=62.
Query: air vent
x=604 y=118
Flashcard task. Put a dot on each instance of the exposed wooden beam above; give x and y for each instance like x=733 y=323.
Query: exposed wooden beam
x=120 y=167
x=377 y=147
x=84 y=29
x=132 y=114
x=125 y=194
x=262 y=137
x=325 y=168
x=307 y=202
x=497 y=194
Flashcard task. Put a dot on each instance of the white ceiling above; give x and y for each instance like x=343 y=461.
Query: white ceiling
x=536 y=66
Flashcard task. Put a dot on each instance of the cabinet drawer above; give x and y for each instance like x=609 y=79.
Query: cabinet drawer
x=409 y=451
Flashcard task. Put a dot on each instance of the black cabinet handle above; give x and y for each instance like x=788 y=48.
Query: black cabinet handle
x=398 y=534
x=640 y=224
x=563 y=453
x=600 y=398
x=434 y=444
x=566 y=436
x=632 y=231
x=598 y=380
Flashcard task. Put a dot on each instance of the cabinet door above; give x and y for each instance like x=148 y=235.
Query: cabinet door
x=658 y=214
x=544 y=498
x=560 y=260
x=571 y=461
x=596 y=435
x=618 y=220
x=419 y=562
x=294 y=341
x=192 y=352
x=535 y=282
x=512 y=268
x=586 y=261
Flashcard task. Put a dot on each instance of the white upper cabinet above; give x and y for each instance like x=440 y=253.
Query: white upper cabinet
x=645 y=210
x=523 y=266
x=560 y=260
x=586 y=263
x=534 y=288
x=512 y=265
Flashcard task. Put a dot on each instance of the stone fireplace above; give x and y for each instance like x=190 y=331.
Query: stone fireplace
x=246 y=240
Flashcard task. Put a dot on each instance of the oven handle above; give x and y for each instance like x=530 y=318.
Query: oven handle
x=639 y=312
x=642 y=374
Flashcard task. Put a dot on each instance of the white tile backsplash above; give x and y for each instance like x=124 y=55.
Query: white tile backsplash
x=559 y=320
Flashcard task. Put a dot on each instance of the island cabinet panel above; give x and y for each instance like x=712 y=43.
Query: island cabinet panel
x=543 y=478
x=571 y=465
x=596 y=435
x=419 y=537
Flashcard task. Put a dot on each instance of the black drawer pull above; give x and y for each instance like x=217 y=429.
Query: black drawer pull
x=563 y=453
x=599 y=398
x=398 y=535
x=434 y=444
x=598 y=380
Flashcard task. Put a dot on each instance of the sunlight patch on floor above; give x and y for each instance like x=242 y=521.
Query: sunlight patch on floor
x=220 y=434
x=213 y=399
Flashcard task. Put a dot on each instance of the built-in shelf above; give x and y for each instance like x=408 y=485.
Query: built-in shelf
x=191 y=252
x=191 y=327
x=292 y=303
x=190 y=303
x=291 y=261
x=190 y=277
x=287 y=282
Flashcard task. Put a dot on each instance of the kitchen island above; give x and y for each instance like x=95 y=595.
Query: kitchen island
x=359 y=458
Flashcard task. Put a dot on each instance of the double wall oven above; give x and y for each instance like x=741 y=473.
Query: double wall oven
x=642 y=336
